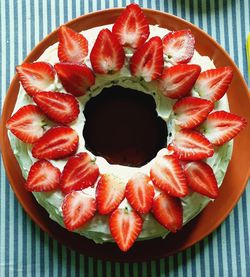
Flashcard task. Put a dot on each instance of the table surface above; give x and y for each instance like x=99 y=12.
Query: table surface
x=25 y=250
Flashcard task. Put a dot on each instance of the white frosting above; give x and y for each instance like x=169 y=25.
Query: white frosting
x=97 y=229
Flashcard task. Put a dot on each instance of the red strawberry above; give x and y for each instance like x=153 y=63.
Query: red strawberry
x=36 y=76
x=107 y=55
x=56 y=143
x=131 y=27
x=140 y=192
x=178 y=80
x=43 y=176
x=201 y=179
x=191 y=111
x=221 y=126
x=75 y=78
x=125 y=227
x=79 y=173
x=167 y=174
x=179 y=46
x=27 y=123
x=147 y=61
x=191 y=145
x=168 y=211
x=73 y=47
x=110 y=192
x=213 y=84
x=60 y=107
x=77 y=208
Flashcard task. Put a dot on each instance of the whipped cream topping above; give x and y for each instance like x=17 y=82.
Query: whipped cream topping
x=98 y=229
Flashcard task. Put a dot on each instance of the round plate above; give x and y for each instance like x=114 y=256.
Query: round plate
x=233 y=184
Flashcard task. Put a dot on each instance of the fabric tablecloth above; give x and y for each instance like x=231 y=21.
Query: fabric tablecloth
x=25 y=250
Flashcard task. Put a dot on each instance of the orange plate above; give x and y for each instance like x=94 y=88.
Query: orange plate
x=233 y=185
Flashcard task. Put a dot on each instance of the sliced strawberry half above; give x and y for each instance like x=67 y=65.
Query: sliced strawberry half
x=110 y=192
x=167 y=174
x=131 y=27
x=79 y=173
x=178 y=80
x=201 y=178
x=221 y=126
x=27 y=123
x=77 y=208
x=140 y=192
x=125 y=227
x=56 y=143
x=107 y=55
x=191 y=111
x=191 y=145
x=75 y=78
x=60 y=107
x=43 y=176
x=73 y=47
x=168 y=212
x=179 y=46
x=36 y=76
x=213 y=84
x=147 y=61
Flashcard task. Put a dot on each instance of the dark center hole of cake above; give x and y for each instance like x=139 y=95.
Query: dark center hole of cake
x=123 y=127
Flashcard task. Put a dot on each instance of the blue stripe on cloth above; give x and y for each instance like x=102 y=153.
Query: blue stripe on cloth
x=149 y=4
x=50 y=256
x=65 y=11
x=226 y=31
x=24 y=249
x=41 y=23
x=60 y=262
x=202 y=259
x=237 y=239
x=193 y=266
x=157 y=5
x=228 y=249
x=57 y=13
x=25 y=264
x=246 y=232
x=219 y=250
x=243 y=22
x=41 y=253
x=94 y=267
x=82 y=7
x=73 y=9
x=184 y=264
x=68 y=261
x=217 y=23
x=191 y=3
x=211 y=256
x=33 y=247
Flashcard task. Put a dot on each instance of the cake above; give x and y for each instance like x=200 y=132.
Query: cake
x=123 y=132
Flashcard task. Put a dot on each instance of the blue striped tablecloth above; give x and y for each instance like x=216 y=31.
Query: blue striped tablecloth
x=25 y=250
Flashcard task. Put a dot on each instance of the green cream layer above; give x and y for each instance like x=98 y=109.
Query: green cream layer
x=97 y=229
